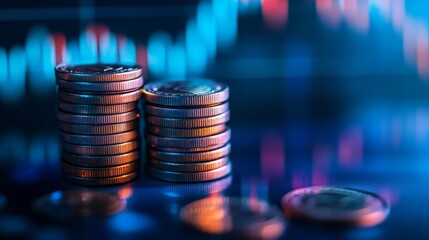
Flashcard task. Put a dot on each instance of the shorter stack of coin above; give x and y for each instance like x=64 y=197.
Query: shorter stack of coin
x=98 y=122
x=186 y=134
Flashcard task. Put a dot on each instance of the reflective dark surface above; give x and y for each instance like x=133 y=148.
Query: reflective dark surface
x=322 y=92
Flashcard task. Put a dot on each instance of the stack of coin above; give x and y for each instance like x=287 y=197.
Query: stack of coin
x=186 y=134
x=98 y=122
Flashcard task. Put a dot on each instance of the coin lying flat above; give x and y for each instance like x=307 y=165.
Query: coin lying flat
x=98 y=119
x=99 y=139
x=190 y=157
x=100 y=161
x=99 y=172
x=186 y=150
x=194 y=92
x=199 y=112
x=335 y=206
x=64 y=205
x=100 y=181
x=93 y=87
x=190 y=176
x=93 y=129
x=97 y=72
x=243 y=218
x=221 y=138
x=188 y=123
x=185 y=132
x=101 y=150
x=96 y=109
x=189 y=167
x=101 y=99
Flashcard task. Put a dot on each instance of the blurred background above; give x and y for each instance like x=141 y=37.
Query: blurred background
x=322 y=92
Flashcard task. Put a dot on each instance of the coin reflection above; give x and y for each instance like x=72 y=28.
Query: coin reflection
x=240 y=217
x=62 y=205
x=198 y=189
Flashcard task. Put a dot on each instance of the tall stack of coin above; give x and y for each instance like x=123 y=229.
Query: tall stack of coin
x=98 y=122
x=186 y=134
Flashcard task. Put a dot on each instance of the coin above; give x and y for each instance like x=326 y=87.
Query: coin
x=193 y=92
x=200 y=142
x=189 y=167
x=100 y=161
x=97 y=119
x=334 y=205
x=70 y=204
x=99 y=172
x=93 y=87
x=186 y=132
x=190 y=176
x=243 y=218
x=199 y=112
x=100 y=181
x=101 y=150
x=188 y=123
x=186 y=150
x=186 y=190
x=190 y=157
x=99 y=139
x=104 y=99
x=96 y=109
x=97 y=129
x=98 y=72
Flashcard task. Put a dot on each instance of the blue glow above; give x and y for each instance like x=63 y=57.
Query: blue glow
x=127 y=52
x=27 y=174
x=33 y=47
x=53 y=151
x=207 y=28
x=3 y=70
x=157 y=47
x=48 y=53
x=16 y=84
x=72 y=52
x=131 y=222
x=108 y=48
x=56 y=196
x=176 y=60
x=88 y=47
x=196 y=52
x=225 y=13
x=36 y=152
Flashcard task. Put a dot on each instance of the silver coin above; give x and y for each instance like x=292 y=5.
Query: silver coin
x=200 y=142
x=335 y=206
x=99 y=99
x=113 y=149
x=99 y=139
x=189 y=167
x=185 y=132
x=96 y=109
x=100 y=161
x=180 y=157
x=98 y=72
x=188 y=123
x=99 y=172
x=98 y=119
x=199 y=112
x=186 y=150
x=189 y=92
x=92 y=129
x=94 y=87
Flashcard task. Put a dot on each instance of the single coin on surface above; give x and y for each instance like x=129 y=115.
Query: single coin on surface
x=98 y=72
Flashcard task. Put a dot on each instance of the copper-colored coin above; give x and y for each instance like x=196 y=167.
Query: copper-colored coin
x=185 y=132
x=101 y=150
x=99 y=139
x=99 y=99
x=218 y=139
x=188 y=123
x=194 y=112
x=98 y=72
x=100 y=161
x=190 y=157
x=190 y=176
x=96 y=109
x=98 y=119
x=99 y=172
x=101 y=181
x=100 y=87
x=189 y=167
x=186 y=150
x=93 y=129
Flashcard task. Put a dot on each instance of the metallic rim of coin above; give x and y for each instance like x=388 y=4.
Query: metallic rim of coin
x=244 y=218
x=186 y=112
x=97 y=129
x=99 y=139
x=188 y=123
x=190 y=176
x=99 y=172
x=190 y=157
x=189 y=167
x=104 y=73
x=100 y=161
x=63 y=205
x=221 y=138
x=96 y=109
x=113 y=149
x=185 y=132
x=193 y=92
x=90 y=87
x=198 y=189
x=101 y=181
x=296 y=206
x=105 y=99
x=186 y=150
x=97 y=119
